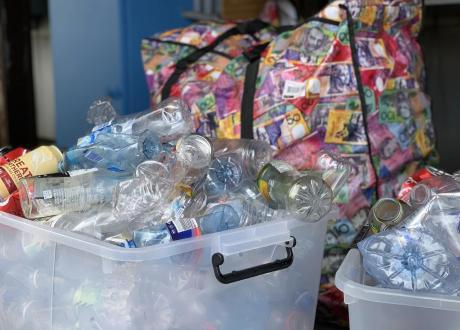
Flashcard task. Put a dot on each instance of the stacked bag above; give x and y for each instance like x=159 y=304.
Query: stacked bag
x=349 y=80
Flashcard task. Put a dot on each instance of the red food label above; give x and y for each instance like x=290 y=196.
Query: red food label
x=413 y=180
x=7 y=181
x=12 y=205
x=13 y=154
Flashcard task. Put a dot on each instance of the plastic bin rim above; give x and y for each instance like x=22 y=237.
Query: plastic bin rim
x=357 y=291
x=116 y=253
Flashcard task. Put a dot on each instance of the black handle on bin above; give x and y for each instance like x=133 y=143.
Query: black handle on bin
x=239 y=275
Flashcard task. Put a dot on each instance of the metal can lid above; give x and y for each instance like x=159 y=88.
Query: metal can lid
x=388 y=210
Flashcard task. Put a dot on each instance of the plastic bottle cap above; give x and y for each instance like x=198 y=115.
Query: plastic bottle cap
x=56 y=152
x=420 y=194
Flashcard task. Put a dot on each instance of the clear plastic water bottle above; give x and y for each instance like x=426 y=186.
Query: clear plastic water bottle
x=234 y=213
x=47 y=196
x=306 y=194
x=250 y=190
x=185 y=204
x=169 y=120
x=225 y=175
x=412 y=260
x=98 y=222
x=193 y=156
x=142 y=199
x=254 y=154
x=114 y=152
x=335 y=170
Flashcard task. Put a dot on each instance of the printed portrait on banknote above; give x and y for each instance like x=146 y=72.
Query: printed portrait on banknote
x=345 y=127
x=395 y=107
x=341 y=79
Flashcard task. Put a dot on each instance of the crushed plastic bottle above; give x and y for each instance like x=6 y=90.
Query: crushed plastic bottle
x=411 y=259
x=170 y=120
x=114 y=152
x=98 y=222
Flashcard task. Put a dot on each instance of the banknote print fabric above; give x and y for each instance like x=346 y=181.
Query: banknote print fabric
x=350 y=80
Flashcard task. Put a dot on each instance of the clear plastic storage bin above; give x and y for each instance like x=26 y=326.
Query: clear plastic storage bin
x=247 y=278
x=384 y=309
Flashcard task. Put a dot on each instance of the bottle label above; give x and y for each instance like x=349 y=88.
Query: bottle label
x=294 y=89
x=264 y=189
x=11 y=155
x=7 y=181
x=47 y=194
x=81 y=171
x=101 y=127
x=183 y=228
x=42 y=160
x=122 y=241
x=92 y=156
x=12 y=205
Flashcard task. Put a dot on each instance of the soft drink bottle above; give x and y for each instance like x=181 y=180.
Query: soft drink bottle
x=113 y=152
x=233 y=213
x=306 y=194
x=411 y=260
x=47 y=196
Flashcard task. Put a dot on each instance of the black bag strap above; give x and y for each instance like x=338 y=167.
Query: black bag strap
x=362 y=99
x=249 y=27
x=249 y=90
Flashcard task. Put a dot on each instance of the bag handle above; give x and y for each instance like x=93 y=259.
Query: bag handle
x=249 y=91
x=249 y=27
x=362 y=99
